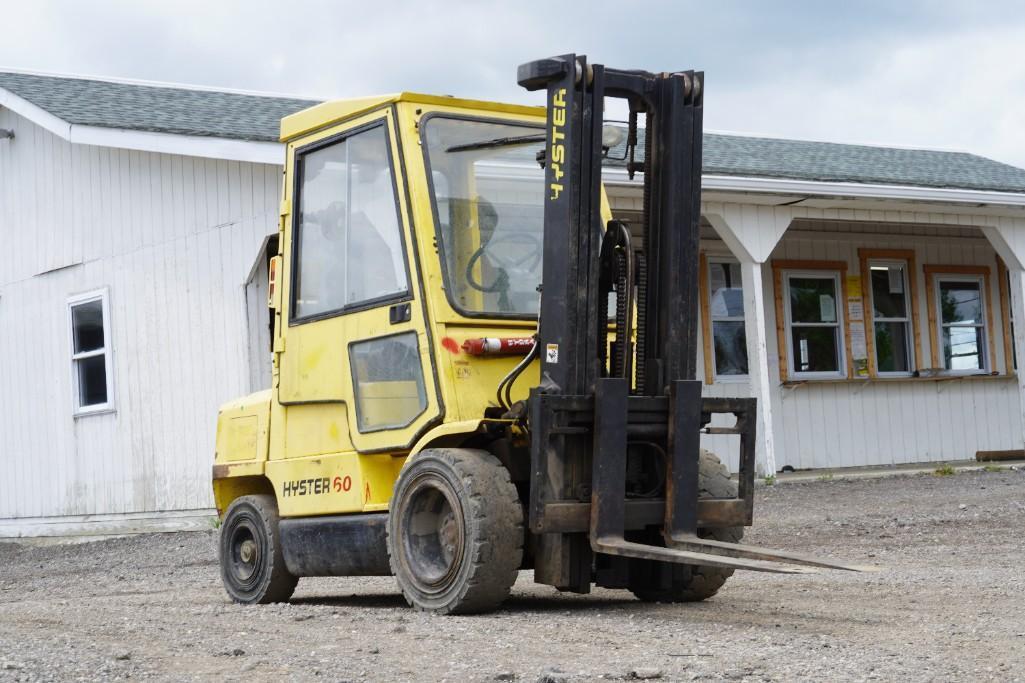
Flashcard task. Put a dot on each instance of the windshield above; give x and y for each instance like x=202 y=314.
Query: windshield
x=488 y=193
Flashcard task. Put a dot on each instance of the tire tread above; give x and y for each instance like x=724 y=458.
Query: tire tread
x=494 y=526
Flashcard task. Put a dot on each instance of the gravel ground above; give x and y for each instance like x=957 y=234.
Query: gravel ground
x=950 y=605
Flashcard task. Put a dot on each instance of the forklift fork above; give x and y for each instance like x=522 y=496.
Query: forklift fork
x=684 y=546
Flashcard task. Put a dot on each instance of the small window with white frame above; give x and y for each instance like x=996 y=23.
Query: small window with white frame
x=889 y=292
x=814 y=324
x=89 y=318
x=726 y=313
x=961 y=317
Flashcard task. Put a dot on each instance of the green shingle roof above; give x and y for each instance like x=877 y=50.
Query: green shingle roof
x=160 y=109
x=738 y=155
x=209 y=113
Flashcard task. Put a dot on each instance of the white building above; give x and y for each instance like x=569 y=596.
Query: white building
x=137 y=218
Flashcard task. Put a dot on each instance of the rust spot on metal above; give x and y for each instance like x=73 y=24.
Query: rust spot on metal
x=221 y=471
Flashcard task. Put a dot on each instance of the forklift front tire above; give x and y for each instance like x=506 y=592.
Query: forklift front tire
x=665 y=582
x=252 y=565
x=455 y=531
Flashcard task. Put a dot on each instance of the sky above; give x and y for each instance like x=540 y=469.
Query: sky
x=938 y=74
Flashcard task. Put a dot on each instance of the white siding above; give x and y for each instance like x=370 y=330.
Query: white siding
x=173 y=239
x=856 y=423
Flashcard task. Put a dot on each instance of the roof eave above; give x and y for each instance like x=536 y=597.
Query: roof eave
x=815 y=188
x=145 y=141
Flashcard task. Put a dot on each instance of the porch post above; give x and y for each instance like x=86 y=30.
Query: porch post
x=758 y=359
x=1017 y=291
x=1007 y=235
x=751 y=233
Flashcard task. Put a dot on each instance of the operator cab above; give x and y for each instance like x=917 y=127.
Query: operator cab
x=410 y=224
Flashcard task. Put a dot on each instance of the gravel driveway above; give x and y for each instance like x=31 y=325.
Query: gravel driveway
x=950 y=605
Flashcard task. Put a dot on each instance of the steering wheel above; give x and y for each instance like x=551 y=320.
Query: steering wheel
x=503 y=262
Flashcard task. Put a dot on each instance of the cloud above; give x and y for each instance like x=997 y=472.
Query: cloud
x=939 y=74
x=912 y=94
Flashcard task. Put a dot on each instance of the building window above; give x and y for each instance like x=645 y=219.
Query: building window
x=888 y=289
x=725 y=319
x=890 y=297
x=960 y=314
x=90 y=352
x=811 y=303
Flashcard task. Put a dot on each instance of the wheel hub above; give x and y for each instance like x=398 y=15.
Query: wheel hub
x=433 y=535
x=247 y=552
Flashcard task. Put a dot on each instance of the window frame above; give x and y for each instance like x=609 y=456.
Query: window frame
x=783 y=270
x=708 y=320
x=355 y=382
x=296 y=227
x=103 y=296
x=960 y=273
x=905 y=257
x=425 y=121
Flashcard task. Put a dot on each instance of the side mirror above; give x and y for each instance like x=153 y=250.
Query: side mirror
x=273 y=291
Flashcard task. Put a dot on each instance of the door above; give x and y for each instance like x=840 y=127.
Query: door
x=354 y=369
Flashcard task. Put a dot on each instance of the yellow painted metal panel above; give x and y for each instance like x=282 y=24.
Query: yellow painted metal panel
x=333 y=484
x=316 y=428
x=337 y=111
x=242 y=429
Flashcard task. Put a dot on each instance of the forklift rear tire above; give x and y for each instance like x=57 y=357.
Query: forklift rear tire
x=455 y=531
x=691 y=583
x=252 y=565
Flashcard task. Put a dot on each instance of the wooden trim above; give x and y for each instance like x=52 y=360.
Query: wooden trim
x=706 y=318
x=782 y=343
x=781 y=323
x=811 y=264
x=907 y=255
x=931 y=271
x=932 y=268
x=1005 y=315
x=930 y=298
x=905 y=379
x=847 y=322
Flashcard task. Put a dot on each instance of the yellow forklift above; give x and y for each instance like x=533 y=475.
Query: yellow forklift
x=476 y=370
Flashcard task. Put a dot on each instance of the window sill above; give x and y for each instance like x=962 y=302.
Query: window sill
x=731 y=379
x=106 y=410
x=793 y=383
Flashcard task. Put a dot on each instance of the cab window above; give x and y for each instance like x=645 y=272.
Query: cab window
x=488 y=193
x=349 y=245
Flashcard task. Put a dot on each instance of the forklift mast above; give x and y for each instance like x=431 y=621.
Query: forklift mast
x=573 y=314
x=598 y=401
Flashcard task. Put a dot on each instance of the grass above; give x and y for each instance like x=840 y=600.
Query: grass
x=828 y=476
x=992 y=468
x=770 y=479
x=945 y=471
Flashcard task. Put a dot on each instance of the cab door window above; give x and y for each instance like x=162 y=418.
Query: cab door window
x=349 y=243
